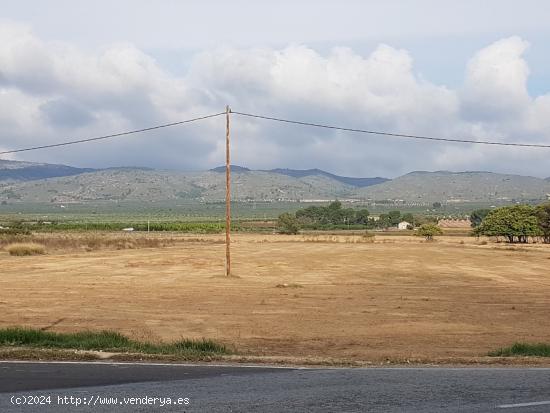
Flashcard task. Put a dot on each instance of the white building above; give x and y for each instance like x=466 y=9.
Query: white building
x=403 y=225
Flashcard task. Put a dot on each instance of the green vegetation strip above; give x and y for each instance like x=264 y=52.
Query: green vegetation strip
x=523 y=349
x=106 y=341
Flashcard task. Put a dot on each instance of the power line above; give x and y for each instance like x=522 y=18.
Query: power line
x=397 y=135
x=114 y=135
x=317 y=125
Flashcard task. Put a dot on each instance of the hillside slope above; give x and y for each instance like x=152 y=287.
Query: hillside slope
x=150 y=185
x=302 y=173
x=23 y=182
x=444 y=186
x=28 y=171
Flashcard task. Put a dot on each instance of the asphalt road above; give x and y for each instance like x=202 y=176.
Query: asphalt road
x=155 y=388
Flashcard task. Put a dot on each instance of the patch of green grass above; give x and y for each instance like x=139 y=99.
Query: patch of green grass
x=523 y=349
x=106 y=341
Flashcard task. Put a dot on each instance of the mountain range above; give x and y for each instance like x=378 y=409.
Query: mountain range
x=28 y=171
x=47 y=183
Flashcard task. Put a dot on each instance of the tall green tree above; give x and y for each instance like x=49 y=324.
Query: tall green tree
x=362 y=216
x=543 y=216
x=516 y=223
x=394 y=217
x=408 y=217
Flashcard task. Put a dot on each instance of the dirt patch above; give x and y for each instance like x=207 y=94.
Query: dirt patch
x=398 y=298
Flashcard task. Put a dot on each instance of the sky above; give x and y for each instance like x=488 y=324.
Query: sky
x=469 y=69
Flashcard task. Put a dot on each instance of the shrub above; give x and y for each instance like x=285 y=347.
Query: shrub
x=429 y=231
x=29 y=248
x=288 y=224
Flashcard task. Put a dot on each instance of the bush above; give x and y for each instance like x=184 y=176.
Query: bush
x=429 y=231
x=288 y=224
x=22 y=249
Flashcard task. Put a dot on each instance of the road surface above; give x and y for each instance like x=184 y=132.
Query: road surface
x=108 y=387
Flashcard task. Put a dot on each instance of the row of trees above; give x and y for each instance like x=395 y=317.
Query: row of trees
x=514 y=223
x=333 y=214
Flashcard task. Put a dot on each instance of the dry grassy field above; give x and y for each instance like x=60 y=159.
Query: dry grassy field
x=329 y=296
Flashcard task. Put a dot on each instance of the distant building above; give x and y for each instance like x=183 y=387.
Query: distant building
x=404 y=225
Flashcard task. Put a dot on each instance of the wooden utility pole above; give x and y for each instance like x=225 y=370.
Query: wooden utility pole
x=227 y=197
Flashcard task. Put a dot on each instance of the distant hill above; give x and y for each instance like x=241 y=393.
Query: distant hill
x=28 y=171
x=45 y=183
x=445 y=186
x=234 y=168
x=302 y=173
x=358 y=182
x=152 y=185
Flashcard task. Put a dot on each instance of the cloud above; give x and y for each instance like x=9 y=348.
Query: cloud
x=63 y=112
x=496 y=82
x=56 y=91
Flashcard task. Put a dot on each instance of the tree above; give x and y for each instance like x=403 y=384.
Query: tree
x=346 y=216
x=429 y=231
x=288 y=224
x=335 y=206
x=333 y=214
x=362 y=216
x=543 y=216
x=409 y=218
x=436 y=205
x=394 y=217
x=383 y=221
x=477 y=216
x=312 y=215
x=516 y=223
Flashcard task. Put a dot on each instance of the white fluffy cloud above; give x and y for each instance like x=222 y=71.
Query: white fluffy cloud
x=496 y=81
x=51 y=92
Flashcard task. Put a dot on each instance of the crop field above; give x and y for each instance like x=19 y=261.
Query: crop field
x=344 y=297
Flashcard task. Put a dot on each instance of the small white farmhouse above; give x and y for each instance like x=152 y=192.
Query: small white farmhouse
x=403 y=225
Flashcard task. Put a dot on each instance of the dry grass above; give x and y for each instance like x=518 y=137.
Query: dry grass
x=346 y=239
x=23 y=249
x=289 y=285
x=398 y=297
x=92 y=242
